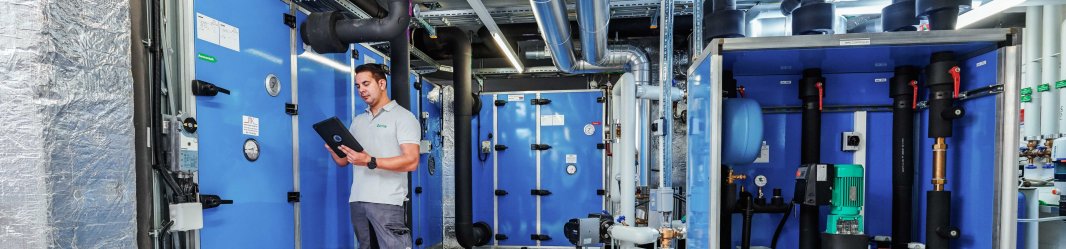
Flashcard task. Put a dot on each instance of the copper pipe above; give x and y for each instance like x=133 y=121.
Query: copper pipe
x=940 y=161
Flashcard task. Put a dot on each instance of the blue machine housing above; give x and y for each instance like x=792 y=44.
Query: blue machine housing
x=572 y=125
x=856 y=80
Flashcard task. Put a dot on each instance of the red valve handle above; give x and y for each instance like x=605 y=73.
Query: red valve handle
x=955 y=71
x=914 y=100
x=821 y=92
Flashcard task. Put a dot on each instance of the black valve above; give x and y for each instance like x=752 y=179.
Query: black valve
x=212 y=201
x=539 y=146
x=204 y=88
x=500 y=192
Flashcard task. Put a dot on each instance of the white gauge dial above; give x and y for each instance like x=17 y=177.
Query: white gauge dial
x=760 y=181
x=251 y=150
x=590 y=129
x=571 y=169
x=273 y=85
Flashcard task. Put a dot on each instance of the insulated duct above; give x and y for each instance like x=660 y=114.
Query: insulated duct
x=592 y=19
x=811 y=93
x=724 y=20
x=1052 y=113
x=1031 y=47
x=942 y=14
x=468 y=233
x=330 y=32
x=899 y=16
x=904 y=92
x=810 y=17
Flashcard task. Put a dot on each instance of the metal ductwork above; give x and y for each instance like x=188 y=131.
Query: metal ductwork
x=467 y=232
x=724 y=20
x=942 y=14
x=810 y=17
x=592 y=19
x=899 y=16
x=330 y=32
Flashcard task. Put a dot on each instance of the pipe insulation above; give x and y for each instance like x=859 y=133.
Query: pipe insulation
x=634 y=235
x=1031 y=46
x=592 y=18
x=655 y=93
x=904 y=92
x=1050 y=72
x=811 y=93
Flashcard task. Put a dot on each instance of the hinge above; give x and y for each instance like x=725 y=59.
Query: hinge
x=500 y=147
x=500 y=192
x=601 y=99
x=355 y=54
x=500 y=236
x=601 y=146
x=540 y=192
x=290 y=20
x=539 y=147
x=499 y=102
x=418 y=84
x=291 y=109
x=540 y=237
x=601 y=192
x=539 y=101
x=294 y=197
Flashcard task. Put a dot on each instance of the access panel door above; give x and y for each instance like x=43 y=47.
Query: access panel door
x=572 y=169
x=516 y=168
x=239 y=51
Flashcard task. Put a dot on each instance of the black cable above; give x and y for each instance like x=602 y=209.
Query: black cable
x=781 y=225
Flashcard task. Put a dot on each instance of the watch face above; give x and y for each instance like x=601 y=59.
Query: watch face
x=571 y=169
x=760 y=180
x=251 y=150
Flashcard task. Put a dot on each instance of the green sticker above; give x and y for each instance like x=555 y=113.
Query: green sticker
x=1027 y=91
x=1027 y=98
x=206 y=58
x=1043 y=88
x=1060 y=84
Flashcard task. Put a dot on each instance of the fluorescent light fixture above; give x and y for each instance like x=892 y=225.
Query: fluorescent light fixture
x=984 y=11
x=507 y=52
x=307 y=54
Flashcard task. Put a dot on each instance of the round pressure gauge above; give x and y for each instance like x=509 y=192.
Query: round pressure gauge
x=589 y=129
x=760 y=181
x=251 y=150
x=571 y=169
x=273 y=85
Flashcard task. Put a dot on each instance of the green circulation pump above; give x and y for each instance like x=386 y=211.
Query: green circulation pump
x=848 y=194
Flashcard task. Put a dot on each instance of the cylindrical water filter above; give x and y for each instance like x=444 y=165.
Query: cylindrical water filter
x=1031 y=47
x=1050 y=72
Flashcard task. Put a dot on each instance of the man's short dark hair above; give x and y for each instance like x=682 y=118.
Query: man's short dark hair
x=377 y=71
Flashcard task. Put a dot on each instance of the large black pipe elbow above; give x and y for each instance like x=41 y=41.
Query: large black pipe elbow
x=468 y=233
x=899 y=16
x=724 y=21
x=942 y=14
x=813 y=17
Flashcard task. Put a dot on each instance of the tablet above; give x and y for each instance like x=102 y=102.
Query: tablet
x=335 y=134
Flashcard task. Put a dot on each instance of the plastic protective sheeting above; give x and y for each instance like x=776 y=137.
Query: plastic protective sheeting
x=67 y=176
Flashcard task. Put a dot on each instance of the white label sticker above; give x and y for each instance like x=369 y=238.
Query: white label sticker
x=546 y=120
x=516 y=98
x=207 y=28
x=559 y=120
x=571 y=158
x=229 y=37
x=764 y=153
x=855 y=42
x=981 y=63
x=822 y=173
x=251 y=125
x=880 y=80
x=786 y=82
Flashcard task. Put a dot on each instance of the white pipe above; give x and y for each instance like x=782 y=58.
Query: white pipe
x=1050 y=71
x=655 y=93
x=1032 y=211
x=627 y=142
x=633 y=235
x=616 y=161
x=1031 y=60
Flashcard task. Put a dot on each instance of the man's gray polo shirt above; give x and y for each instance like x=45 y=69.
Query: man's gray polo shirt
x=381 y=136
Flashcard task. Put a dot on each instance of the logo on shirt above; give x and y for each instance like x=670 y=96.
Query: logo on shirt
x=380 y=126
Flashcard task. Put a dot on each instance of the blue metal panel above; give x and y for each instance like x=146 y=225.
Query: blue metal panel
x=699 y=151
x=324 y=92
x=260 y=216
x=517 y=130
x=573 y=196
x=482 y=169
x=854 y=59
x=840 y=89
x=878 y=173
x=427 y=213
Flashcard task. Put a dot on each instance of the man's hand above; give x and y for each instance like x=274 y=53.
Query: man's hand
x=336 y=159
x=355 y=158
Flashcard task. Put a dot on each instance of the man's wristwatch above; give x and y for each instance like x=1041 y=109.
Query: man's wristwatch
x=373 y=163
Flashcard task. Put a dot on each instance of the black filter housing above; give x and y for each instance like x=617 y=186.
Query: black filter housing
x=899 y=16
x=813 y=19
x=941 y=83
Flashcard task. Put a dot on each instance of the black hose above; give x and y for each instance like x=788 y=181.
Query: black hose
x=781 y=226
x=749 y=211
x=904 y=90
x=812 y=91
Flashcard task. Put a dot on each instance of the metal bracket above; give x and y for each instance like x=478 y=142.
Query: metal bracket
x=601 y=99
x=500 y=192
x=601 y=146
x=291 y=109
x=293 y=197
x=539 y=101
x=540 y=192
x=539 y=147
x=500 y=236
x=355 y=54
x=290 y=20
x=540 y=237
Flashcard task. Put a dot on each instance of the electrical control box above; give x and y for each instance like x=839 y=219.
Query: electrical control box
x=187 y=216
x=850 y=141
x=662 y=200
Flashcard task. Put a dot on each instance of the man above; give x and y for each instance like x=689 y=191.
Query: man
x=390 y=137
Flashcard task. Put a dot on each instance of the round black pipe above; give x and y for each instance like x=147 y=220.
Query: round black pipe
x=940 y=77
x=811 y=92
x=938 y=224
x=813 y=18
x=904 y=91
x=724 y=20
x=371 y=8
x=330 y=32
x=942 y=14
x=787 y=6
x=468 y=233
x=899 y=16
x=749 y=213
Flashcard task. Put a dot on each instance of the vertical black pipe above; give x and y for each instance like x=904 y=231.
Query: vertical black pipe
x=401 y=70
x=903 y=90
x=749 y=213
x=141 y=116
x=811 y=93
x=942 y=78
x=942 y=14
